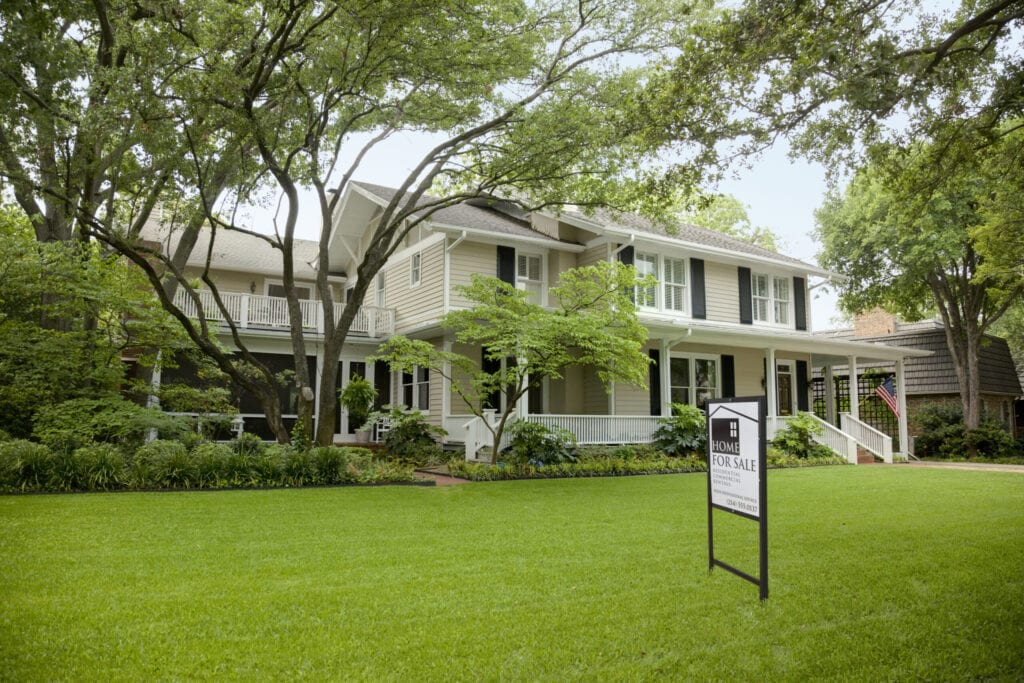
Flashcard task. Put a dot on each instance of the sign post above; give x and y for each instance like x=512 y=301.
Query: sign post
x=737 y=481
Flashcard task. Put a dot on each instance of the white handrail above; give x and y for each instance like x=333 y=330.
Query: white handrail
x=835 y=439
x=869 y=438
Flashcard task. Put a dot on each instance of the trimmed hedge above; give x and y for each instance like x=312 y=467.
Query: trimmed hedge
x=610 y=467
x=29 y=466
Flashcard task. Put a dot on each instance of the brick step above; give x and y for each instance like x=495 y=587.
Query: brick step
x=865 y=457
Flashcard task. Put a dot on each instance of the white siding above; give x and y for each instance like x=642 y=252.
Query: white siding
x=469 y=258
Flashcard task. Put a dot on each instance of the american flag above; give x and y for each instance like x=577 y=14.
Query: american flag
x=887 y=392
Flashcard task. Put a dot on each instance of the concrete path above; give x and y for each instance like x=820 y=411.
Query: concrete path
x=977 y=466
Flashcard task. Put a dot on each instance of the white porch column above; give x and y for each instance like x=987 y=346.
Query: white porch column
x=772 y=393
x=666 y=378
x=901 y=401
x=523 y=404
x=851 y=363
x=321 y=370
x=446 y=386
x=830 y=396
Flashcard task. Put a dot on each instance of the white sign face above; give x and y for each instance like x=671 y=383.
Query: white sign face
x=734 y=450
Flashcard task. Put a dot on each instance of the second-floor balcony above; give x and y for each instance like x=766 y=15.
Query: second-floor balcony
x=253 y=311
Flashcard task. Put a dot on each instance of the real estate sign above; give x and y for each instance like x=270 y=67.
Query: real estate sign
x=737 y=456
x=734 y=456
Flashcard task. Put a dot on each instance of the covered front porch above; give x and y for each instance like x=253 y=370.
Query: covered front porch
x=695 y=363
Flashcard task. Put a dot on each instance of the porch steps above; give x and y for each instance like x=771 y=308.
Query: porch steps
x=865 y=457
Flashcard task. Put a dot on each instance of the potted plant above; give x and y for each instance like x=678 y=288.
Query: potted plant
x=358 y=397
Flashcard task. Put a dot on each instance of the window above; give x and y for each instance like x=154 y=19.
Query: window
x=675 y=284
x=277 y=289
x=416 y=389
x=693 y=379
x=530 y=276
x=647 y=264
x=770 y=298
x=414 y=270
x=381 y=298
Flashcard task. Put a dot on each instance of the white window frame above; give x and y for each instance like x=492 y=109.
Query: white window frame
x=523 y=282
x=415 y=269
x=692 y=387
x=267 y=284
x=680 y=289
x=647 y=297
x=380 y=290
x=419 y=388
x=778 y=310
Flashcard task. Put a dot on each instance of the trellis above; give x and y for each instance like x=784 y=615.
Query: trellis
x=872 y=410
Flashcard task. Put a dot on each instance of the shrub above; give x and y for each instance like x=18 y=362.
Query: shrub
x=298 y=468
x=943 y=435
x=24 y=465
x=101 y=467
x=210 y=461
x=164 y=464
x=684 y=433
x=248 y=444
x=336 y=465
x=411 y=438
x=72 y=424
x=797 y=439
x=534 y=442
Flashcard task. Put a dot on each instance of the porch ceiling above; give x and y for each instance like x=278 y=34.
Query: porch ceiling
x=823 y=351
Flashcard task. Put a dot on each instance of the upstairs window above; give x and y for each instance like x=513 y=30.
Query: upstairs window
x=530 y=276
x=675 y=284
x=276 y=289
x=381 y=298
x=414 y=269
x=770 y=297
x=647 y=264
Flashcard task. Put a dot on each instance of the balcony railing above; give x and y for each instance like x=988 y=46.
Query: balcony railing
x=253 y=311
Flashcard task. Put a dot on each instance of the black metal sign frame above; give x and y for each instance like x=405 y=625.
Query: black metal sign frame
x=722 y=447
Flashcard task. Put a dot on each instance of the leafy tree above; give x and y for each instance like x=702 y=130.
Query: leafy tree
x=109 y=308
x=594 y=324
x=522 y=98
x=915 y=248
x=726 y=214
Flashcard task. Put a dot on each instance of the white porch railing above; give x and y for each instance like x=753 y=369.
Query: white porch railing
x=867 y=436
x=603 y=429
x=271 y=312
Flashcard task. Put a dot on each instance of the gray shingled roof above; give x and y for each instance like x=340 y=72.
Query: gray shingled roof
x=936 y=374
x=466 y=215
x=687 y=233
x=235 y=251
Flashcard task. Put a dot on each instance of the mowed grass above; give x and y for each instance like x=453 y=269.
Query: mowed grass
x=877 y=573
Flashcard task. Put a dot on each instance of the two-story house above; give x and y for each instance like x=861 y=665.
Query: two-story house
x=726 y=318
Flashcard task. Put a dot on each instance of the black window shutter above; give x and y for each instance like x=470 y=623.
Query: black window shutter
x=728 y=377
x=697 y=297
x=490 y=366
x=655 y=381
x=627 y=256
x=507 y=264
x=799 y=304
x=381 y=382
x=801 y=385
x=746 y=305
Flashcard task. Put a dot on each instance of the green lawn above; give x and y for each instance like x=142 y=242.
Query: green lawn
x=877 y=573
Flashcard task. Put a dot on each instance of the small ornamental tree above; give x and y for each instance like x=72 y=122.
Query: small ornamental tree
x=594 y=324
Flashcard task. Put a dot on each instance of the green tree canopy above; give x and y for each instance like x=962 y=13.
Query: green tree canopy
x=916 y=244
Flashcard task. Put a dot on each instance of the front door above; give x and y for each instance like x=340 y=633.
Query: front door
x=785 y=380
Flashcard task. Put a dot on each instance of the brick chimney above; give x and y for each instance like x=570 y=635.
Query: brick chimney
x=874 y=323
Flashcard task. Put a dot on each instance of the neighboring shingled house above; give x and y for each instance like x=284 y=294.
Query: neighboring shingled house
x=931 y=379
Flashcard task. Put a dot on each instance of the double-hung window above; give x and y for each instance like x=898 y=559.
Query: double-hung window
x=530 y=276
x=770 y=298
x=415 y=269
x=674 y=278
x=416 y=389
x=694 y=379
x=647 y=264
x=381 y=297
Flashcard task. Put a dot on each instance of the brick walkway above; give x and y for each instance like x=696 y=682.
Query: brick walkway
x=440 y=476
